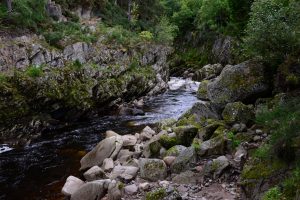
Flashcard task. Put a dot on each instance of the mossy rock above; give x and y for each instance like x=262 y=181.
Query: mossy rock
x=152 y=169
x=167 y=123
x=159 y=194
x=202 y=90
x=207 y=131
x=185 y=134
x=238 y=112
x=220 y=132
x=175 y=150
x=168 y=142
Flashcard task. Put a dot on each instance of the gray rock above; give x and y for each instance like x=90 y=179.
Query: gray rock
x=187 y=177
x=175 y=150
x=147 y=133
x=240 y=154
x=103 y=150
x=222 y=49
x=125 y=155
x=216 y=167
x=114 y=192
x=214 y=146
x=239 y=127
x=169 y=160
x=108 y=164
x=129 y=140
x=153 y=169
x=184 y=160
x=131 y=189
x=54 y=10
x=202 y=91
x=125 y=172
x=238 y=83
x=91 y=190
x=95 y=173
x=72 y=185
x=238 y=112
x=110 y=133
x=208 y=72
x=144 y=186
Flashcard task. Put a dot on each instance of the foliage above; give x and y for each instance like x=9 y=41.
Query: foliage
x=234 y=141
x=146 y=35
x=165 y=31
x=273 y=30
x=272 y=194
x=291 y=186
x=34 y=71
x=156 y=195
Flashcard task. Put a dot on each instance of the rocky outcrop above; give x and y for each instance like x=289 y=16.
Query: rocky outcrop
x=242 y=82
x=222 y=50
x=238 y=112
x=208 y=72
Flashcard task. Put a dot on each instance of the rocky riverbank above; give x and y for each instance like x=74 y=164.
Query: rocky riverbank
x=199 y=156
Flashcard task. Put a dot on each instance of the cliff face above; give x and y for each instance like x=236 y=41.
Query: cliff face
x=65 y=84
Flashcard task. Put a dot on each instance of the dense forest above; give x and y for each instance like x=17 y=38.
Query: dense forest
x=129 y=48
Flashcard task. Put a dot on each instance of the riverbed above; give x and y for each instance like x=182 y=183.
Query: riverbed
x=39 y=170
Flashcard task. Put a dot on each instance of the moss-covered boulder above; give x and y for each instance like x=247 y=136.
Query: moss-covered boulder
x=185 y=134
x=184 y=160
x=238 y=112
x=208 y=130
x=214 y=146
x=153 y=169
x=245 y=81
x=208 y=72
x=175 y=150
x=167 y=141
x=202 y=90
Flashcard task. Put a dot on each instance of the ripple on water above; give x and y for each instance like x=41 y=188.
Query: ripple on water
x=4 y=148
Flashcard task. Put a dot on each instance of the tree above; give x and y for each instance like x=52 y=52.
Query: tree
x=9 y=6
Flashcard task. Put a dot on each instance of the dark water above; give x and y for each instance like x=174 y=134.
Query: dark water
x=38 y=171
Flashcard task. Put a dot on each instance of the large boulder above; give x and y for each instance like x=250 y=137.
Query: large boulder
x=72 y=185
x=175 y=150
x=125 y=172
x=184 y=160
x=107 y=148
x=95 y=173
x=208 y=72
x=185 y=134
x=153 y=169
x=202 y=90
x=216 y=166
x=214 y=146
x=238 y=112
x=91 y=190
x=245 y=81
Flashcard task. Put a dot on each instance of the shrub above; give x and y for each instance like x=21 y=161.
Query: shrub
x=273 y=30
x=165 y=31
x=146 y=35
x=272 y=194
x=34 y=71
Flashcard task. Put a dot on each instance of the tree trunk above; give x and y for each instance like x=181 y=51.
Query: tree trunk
x=129 y=10
x=9 y=5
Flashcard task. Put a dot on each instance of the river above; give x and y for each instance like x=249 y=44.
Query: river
x=38 y=171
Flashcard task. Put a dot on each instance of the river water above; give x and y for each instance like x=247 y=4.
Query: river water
x=38 y=171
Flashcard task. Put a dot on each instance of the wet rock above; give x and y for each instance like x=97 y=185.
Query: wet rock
x=72 y=185
x=185 y=134
x=184 y=160
x=153 y=169
x=176 y=150
x=216 y=166
x=91 y=190
x=169 y=160
x=131 y=189
x=202 y=90
x=108 y=164
x=95 y=173
x=105 y=149
x=187 y=177
x=214 y=146
x=238 y=112
x=241 y=82
x=125 y=172
x=129 y=140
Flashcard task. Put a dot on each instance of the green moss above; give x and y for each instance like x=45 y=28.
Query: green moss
x=273 y=194
x=121 y=186
x=188 y=120
x=202 y=90
x=196 y=144
x=155 y=148
x=159 y=194
x=34 y=71
x=172 y=151
x=264 y=167
x=167 y=141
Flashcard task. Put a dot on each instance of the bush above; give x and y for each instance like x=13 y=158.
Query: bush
x=165 y=31
x=146 y=35
x=272 y=194
x=273 y=30
x=34 y=71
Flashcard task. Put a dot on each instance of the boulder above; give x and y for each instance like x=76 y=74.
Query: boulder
x=216 y=166
x=208 y=72
x=144 y=186
x=131 y=189
x=214 y=146
x=109 y=134
x=125 y=155
x=107 y=148
x=54 y=10
x=152 y=148
x=108 y=164
x=184 y=160
x=147 y=133
x=129 y=140
x=222 y=49
x=202 y=90
x=153 y=169
x=72 y=185
x=238 y=112
x=95 y=173
x=125 y=172
x=175 y=151
x=91 y=190
x=245 y=81
x=185 y=134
